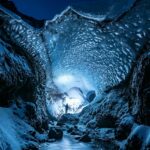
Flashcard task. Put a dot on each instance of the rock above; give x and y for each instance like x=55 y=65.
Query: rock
x=68 y=118
x=134 y=143
x=102 y=134
x=32 y=133
x=90 y=96
x=105 y=121
x=91 y=124
x=124 y=128
x=38 y=126
x=75 y=131
x=140 y=89
x=14 y=74
x=45 y=124
x=42 y=138
x=122 y=132
x=31 y=146
x=85 y=138
x=55 y=133
x=30 y=110
x=138 y=138
x=77 y=137
x=70 y=130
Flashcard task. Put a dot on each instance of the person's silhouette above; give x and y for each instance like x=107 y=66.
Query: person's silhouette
x=66 y=108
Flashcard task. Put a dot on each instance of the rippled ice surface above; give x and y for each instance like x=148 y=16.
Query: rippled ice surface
x=94 y=57
x=68 y=143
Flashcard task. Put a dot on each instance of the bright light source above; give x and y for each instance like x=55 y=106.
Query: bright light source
x=64 y=79
x=75 y=105
x=75 y=100
x=65 y=82
x=75 y=89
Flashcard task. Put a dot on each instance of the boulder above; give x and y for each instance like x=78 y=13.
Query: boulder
x=85 y=138
x=90 y=96
x=68 y=118
x=124 y=128
x=55 y=133
x=31 y=146
x=105 y=121
x=138 y=138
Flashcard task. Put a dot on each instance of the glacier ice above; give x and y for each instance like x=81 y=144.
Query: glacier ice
x=100 y=56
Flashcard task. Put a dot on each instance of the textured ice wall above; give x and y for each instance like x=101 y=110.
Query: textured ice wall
x=96 y=54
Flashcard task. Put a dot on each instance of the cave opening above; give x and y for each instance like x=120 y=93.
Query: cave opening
x=71 y=102
x=75 y=100
x=74 y=93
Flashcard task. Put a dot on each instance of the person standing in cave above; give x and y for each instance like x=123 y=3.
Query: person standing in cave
x=66 y=108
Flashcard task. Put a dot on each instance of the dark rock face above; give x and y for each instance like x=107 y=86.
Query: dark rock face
x=23 y=71
x=107 y=121
x=122 y=132
x=85 y=138
x=140 y=84
x=15 y=73
x=22 y=81
x=134 y=143
x=139 y=138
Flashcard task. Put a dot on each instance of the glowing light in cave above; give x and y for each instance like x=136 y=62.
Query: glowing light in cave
x=75 y=100
x=74 y=89
x=65 y=79
x=75 y=105
x=64 y=82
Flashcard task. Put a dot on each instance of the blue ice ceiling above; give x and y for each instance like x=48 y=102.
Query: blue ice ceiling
x=84 y=55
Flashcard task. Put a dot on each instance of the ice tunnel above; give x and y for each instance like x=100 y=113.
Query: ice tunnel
x=82 y=73
x=75 y=54
x=87 y=56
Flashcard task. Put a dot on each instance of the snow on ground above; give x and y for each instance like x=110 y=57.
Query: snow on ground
x=12 y=129
x=7 y=127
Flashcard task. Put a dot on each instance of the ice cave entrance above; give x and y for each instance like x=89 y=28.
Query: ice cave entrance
x=75 y=100
x=76 y=93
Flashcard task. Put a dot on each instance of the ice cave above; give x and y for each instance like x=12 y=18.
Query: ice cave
x=74 y=75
